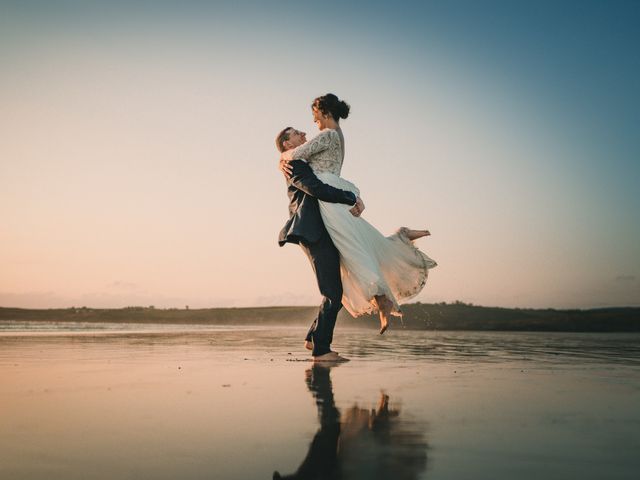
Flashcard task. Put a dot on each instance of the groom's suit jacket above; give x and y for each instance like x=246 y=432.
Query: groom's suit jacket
x=304 y=190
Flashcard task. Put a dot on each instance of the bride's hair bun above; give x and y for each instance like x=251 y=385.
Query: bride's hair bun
x=330 y=104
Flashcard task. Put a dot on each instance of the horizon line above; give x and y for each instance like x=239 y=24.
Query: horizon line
x=456 y=303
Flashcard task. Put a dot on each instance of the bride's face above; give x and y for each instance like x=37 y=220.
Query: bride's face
x=319 y=118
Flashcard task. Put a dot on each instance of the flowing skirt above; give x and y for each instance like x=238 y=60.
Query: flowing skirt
x=370 y=263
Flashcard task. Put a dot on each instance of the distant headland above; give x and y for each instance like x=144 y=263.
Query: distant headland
x=417 y=316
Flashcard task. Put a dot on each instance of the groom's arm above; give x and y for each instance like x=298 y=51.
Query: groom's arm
x=304 y=179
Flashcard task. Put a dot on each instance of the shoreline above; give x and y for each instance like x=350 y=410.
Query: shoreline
x=417 y=316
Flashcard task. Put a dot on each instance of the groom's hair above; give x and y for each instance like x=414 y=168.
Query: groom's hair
x=282 y=137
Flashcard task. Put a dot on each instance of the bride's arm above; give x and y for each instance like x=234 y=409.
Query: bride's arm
x=316 y=144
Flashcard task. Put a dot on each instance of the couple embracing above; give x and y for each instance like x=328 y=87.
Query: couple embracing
x=355 y=265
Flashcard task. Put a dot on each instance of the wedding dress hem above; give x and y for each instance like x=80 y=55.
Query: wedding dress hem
x=376 y=289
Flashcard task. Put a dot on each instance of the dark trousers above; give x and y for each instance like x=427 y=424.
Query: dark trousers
x=325 y=260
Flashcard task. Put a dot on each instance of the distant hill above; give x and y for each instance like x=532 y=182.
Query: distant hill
x=417 y=316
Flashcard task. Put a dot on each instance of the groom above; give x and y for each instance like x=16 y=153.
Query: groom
x=305 y=227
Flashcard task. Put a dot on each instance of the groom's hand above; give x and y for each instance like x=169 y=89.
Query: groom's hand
x=358 y=208
x=286 y=168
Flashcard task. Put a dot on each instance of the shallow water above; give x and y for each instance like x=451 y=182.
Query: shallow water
x=106 y=401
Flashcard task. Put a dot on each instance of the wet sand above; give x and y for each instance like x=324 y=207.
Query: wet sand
x=242 y=403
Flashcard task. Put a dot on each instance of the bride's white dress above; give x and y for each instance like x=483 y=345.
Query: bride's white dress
x=370 y=263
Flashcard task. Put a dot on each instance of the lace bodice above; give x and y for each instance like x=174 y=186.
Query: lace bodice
x=323 y=152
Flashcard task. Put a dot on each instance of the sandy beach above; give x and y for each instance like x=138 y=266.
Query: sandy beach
x=243 y=403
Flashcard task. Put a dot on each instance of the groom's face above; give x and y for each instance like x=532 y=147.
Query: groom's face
x=296 y=138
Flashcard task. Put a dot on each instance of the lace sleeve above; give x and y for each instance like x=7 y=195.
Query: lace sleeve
x=320 y=142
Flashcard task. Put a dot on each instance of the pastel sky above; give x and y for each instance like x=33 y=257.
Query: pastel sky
x=138 y=167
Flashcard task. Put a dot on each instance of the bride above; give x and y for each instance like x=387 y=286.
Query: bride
x=377 y=271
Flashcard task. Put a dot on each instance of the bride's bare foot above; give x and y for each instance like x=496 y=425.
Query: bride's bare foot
x=415 y=234
x=384 y=309
x=384 y=323
x=308 y=345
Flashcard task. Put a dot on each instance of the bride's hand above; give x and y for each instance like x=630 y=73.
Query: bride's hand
x=286 y=168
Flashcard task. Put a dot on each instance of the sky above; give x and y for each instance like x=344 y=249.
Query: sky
x=138 y=165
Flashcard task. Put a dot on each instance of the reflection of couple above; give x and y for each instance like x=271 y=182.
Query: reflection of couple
x=361 y=443
x=355 y=265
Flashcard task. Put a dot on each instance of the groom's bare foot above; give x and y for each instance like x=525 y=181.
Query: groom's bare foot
x=308 y=345
x=330 y=357
x=415 y=234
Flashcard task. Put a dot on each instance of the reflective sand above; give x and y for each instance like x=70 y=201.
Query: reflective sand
x=176 y=402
